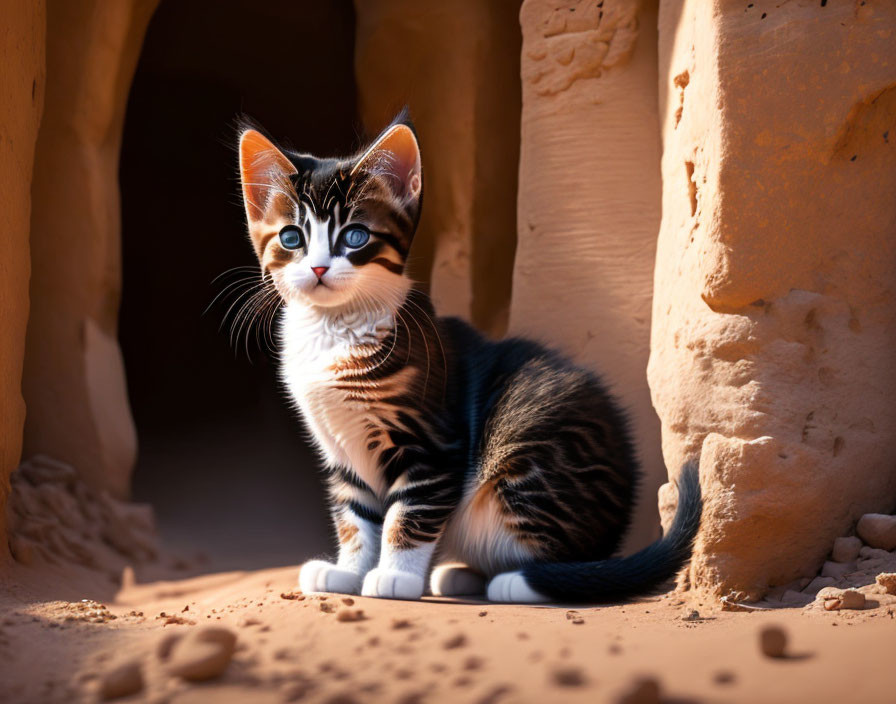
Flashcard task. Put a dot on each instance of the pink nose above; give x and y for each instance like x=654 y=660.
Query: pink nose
x=319 y=271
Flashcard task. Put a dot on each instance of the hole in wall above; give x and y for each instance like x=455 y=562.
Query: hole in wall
x=222 y=457
x=692 y=186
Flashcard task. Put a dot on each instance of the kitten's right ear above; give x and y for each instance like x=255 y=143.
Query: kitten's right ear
x=263 y=170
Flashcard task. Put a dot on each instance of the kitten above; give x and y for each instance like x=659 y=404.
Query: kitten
x=439 y=444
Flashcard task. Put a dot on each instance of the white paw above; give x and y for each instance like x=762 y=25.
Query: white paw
x=392 y=584
x=456 y=580
x=320 y=576
x=512 y=587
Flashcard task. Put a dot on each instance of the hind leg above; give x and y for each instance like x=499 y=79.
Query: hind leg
x=456 y=580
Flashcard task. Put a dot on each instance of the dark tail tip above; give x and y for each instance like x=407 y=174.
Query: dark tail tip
x=636 y=575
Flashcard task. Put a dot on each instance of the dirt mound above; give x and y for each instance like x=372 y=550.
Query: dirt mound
x=55 y=518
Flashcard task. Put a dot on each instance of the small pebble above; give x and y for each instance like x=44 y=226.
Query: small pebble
x=349 y=615
x=473 y=663
x=294 y=596
x=122 y=681
x=348 y=601
x=399 y=623
x=724 y=677
x=202 y=654
x=773 y=641
x=692 y=615
x=568 y=676
x=327 y=607
x=164 y=646
x=457 y=641
x=644 y=691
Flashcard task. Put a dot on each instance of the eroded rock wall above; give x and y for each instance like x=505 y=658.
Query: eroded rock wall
x=22 y=82
x=589 y=201
x=73 y=382
x=774 y=319
x=456 y=66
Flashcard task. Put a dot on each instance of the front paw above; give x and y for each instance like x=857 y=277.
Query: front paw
x=320 y=576
x=392 y=584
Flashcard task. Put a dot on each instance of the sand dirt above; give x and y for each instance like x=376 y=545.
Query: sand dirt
x=294 y=647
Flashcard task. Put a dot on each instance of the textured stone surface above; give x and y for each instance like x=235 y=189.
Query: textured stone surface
x=773 y=315
x=456 y=65
x=846 y=549
x=22 y=83
x=74 y=377
x=589 y=202
x=878 y=530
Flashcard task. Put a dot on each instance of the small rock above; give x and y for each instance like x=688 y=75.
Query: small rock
x=473 y=663
x=570 y=676
x=837 y=599
x=164 y=646
x=400 y=623
x=724 y=677
x=348 y=601
x=692 y=615
x=203 y=654
x=457 y=641
x=819 y=583
x=837 y=570
x=348 y=615
x=122 y=681
x=773 y=641
x=846 y=549
x=643 y=691
x=878 y=530
x=293 y=596
x=888 y=581
x=327 y=607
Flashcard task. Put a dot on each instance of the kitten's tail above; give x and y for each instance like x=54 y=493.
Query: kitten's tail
x=616 y=578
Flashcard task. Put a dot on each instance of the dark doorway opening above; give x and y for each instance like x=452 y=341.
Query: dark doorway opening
x=223 y=459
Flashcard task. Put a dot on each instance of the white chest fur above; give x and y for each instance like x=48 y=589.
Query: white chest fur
x=313 y=346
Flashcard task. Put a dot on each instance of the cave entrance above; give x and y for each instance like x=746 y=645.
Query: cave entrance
x=222 y=459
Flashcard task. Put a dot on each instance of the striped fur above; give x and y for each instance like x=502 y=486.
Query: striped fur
x=440 y=445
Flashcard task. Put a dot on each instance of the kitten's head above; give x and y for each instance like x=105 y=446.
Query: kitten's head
x=334 y=233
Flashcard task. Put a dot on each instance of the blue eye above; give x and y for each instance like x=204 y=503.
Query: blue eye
x=290 y=237
x=355 y=237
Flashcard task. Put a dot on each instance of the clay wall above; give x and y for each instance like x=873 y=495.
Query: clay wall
x=22 y=85
x=774 y=318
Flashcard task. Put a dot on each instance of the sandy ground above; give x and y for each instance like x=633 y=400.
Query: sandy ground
x=301 y=649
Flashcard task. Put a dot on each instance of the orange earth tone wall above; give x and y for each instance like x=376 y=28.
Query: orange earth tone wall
x=22 y=84
x=589 y=202
x=774 y=319
x=457 y=66
x=73 y=382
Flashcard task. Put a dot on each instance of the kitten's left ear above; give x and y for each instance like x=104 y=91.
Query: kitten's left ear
x=396 y=155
